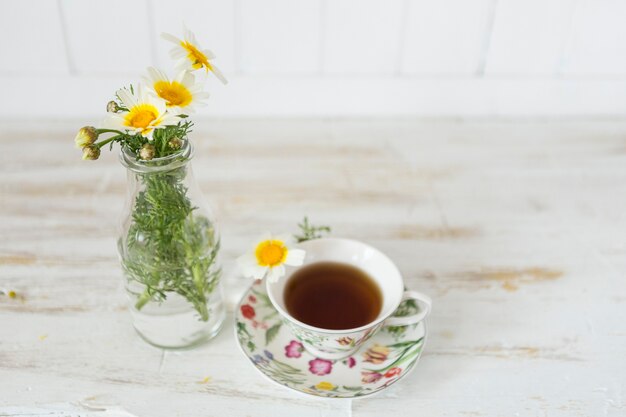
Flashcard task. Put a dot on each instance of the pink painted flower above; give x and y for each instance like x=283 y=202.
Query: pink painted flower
x=320 y=366
x=294 y=349
x=350 y=362
x=368 y=377
x=393 y=372
x=248 y=311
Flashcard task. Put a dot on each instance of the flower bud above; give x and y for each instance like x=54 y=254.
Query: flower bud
x=175 y=143
x=86 y=136
x=112 y=107
x=91 y=152
x=147 y=152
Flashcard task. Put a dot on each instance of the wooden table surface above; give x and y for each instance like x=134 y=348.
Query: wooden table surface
x=515 y=229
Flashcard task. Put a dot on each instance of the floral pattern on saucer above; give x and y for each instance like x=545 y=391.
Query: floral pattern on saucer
x=384 y=359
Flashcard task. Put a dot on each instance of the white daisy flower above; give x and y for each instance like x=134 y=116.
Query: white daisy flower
x=190 y=54
x=181 y=94
x=269 y=256
x=145 y=113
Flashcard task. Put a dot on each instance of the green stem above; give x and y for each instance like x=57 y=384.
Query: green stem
x=108 y=140
x=109 y=131
x=142 y=300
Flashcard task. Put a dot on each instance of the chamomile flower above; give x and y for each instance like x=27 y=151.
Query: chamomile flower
x=269 y=256
x=145 y=113
x=181 y=94
x=190 y=55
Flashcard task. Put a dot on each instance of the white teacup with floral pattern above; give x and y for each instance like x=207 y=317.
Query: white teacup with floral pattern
x=337 y=344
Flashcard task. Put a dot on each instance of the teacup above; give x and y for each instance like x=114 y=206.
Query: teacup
x=337 y=344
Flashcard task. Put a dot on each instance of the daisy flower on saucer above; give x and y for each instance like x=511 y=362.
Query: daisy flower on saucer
x=268 y=257
x=270 y=253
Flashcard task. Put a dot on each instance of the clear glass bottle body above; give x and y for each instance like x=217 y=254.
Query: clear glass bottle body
x=169 y=250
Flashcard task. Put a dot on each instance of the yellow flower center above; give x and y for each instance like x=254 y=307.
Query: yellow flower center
x=271 y=253
x=174 y=93
x=325 y=386
x=198 y=59
x=141 y=116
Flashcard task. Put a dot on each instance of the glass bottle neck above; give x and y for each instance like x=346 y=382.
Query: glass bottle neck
x=129 y=159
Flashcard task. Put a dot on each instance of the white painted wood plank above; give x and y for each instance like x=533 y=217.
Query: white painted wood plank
x=108 y=37
x=213 y=23
x=246 y=96
x=597 y=43
x=362 y=36
x=529 y=36
x=32 y=38
x=445 y=37
x=280 y=36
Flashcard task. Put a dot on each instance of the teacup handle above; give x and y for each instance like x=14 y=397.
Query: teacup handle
x=425 y=304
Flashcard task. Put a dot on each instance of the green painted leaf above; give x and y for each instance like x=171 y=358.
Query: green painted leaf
x=272 y=332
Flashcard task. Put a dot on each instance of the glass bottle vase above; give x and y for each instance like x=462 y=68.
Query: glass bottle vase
x=169 y=250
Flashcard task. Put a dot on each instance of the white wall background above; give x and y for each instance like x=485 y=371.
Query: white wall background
x=65 y=58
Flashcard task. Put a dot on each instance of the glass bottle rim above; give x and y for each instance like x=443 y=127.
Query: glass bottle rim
x=129 y=159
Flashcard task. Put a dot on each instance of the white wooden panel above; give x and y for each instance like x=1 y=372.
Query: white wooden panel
x=211 y=21
x=362 y=36
x=529 y=36
x=108 y=36
x=280 y=36
x=598 y=42
x=31 y=38
x=279 y=96
x=445 y=36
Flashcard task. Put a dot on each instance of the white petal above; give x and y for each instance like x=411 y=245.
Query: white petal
x=128 y=100
x=286 y=238
x=190 y=37
x=186 y=78
x=295 y=257
x=246 y=259
x=219 y=74
x=114 y=121
x=275 y=273
x=184 y=64
x=209 y=54
x=157 y=75
x=178 y=52
x=141 y=93
x=257 y=272
x=171 y=38
x=168 y=119
x=155 y=100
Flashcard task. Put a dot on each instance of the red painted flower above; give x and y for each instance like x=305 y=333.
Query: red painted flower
x=294 y=349
x=248 y=311
x=393 y=372
x=252 y=298
x=320 y=366
x=370 y=377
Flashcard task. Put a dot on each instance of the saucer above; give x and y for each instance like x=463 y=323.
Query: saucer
x=269 y=345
